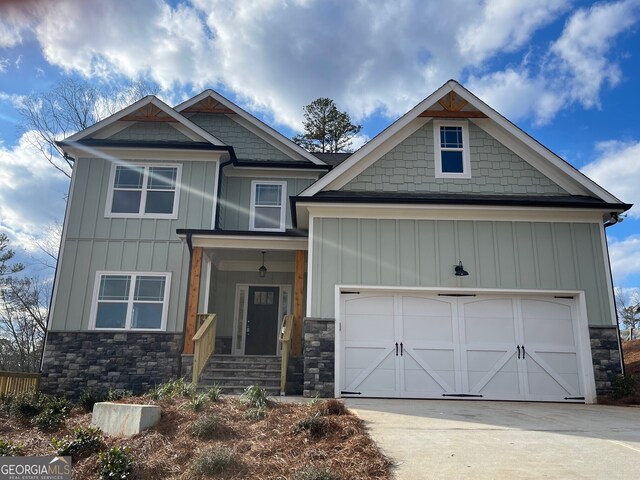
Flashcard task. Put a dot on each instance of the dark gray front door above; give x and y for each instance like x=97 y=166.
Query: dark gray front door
x=262 y=321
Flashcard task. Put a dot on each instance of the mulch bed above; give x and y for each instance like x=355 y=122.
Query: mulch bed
x=270 y=448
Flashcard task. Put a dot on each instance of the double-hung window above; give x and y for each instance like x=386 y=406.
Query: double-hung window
x=144 y=191
x=268 y=208
x=131 y=301
x=451 y=149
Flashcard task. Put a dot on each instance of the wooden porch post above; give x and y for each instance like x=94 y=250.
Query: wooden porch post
x=298 y=300
x=192 y=299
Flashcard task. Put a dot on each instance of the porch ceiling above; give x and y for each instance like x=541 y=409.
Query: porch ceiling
x=251 y=259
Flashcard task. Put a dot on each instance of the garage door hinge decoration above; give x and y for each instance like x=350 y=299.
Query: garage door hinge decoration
x=461 y=395
x=350 y=393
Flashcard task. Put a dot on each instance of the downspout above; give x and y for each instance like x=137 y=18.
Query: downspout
x=614 y=219
x=186 y=303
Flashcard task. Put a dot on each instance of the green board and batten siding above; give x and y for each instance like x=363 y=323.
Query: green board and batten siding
x=422 y=253
x=234 y=211
x=126 y=244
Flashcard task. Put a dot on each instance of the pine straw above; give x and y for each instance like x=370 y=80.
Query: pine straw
x=264 y=449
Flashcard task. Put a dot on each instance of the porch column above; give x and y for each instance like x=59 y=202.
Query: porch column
x=193 y=297
x=298 y=300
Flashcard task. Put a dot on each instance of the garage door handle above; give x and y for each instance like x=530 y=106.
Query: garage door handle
x=400 y=348
x=396 y=349
x=523 y=352
x=518 y=351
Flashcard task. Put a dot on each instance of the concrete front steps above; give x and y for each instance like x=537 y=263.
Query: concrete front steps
x=234 y=373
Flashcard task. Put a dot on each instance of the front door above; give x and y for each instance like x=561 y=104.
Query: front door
x=262 y=321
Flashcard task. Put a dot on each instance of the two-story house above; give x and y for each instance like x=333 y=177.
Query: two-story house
x=452 y=256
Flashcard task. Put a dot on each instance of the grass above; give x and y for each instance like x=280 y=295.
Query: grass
x=187 y=444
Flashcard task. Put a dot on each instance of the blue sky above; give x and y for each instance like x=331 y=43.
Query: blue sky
x=564 y=71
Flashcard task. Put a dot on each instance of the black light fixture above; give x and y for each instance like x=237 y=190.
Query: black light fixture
x=460 y=271
x=262 y=271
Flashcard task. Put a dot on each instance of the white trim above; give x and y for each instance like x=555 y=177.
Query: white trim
x=445 y=212
x=283 y=206
x=207 y=285
x=257 y=172
x=466 y=155
x=130 y=301
x=346 y=171
x=152 y=154
x=257 y=242
x=216 y=198
x=239 y=350
x=581 y=320
x=149 y=99
x=111 y=130
x=310 y=266
x=270 y=132
x=143 y=195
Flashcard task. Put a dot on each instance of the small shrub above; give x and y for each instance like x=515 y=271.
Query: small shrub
x=206 y=426
x=213 y=461
x=89 y=398
x=255 y=396
x=315 y=400
x=623 y=386
x=315 y=473
x=26 y=405
x=173 y=388
x=215 y=393
x=197 y=402
x=6 y=400
x=117 y=462
x=315 y=425
x=115 y=394
x=255 y=414
x=83 y=442
x=10 y=449
x=332 y=406
x=48 y=420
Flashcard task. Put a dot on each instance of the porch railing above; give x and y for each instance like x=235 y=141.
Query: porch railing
x=204 y=343
x=285 y=339
x=18 y=382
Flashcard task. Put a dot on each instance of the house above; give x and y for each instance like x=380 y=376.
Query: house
x=452 y=256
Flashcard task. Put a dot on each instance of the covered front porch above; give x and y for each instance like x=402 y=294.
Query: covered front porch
x=251 y=283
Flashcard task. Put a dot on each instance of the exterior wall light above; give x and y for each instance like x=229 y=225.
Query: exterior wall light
x=262 y=271
x=460 y=271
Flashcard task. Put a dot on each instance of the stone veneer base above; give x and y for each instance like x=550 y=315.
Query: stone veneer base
x=605 y=355
x=319 y=357
x=136 y=361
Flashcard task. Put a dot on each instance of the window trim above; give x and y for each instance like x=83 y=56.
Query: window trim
x=127 y=325
x=283 y=206
x=437 y=156
x=143 y=198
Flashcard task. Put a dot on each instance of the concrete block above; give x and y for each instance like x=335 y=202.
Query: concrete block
x=119 y=419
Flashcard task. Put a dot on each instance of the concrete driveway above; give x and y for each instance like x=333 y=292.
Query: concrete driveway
x=510 y=440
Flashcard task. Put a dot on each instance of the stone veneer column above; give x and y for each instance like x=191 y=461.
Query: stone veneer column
x=605 y=352
x=136 y=361
x=319 y=357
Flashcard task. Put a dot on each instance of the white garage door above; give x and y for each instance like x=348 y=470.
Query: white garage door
x=443 y=346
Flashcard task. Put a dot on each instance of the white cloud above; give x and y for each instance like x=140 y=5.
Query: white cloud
x=617 y=169
x=32 y=194
x=625 y=258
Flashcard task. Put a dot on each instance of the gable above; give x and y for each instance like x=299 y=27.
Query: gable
x=410 y=167
x=150 y=132
x=246 y=144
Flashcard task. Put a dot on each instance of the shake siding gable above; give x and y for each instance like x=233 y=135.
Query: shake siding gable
x=150 y=132
x=247 y=145
x=410 y=167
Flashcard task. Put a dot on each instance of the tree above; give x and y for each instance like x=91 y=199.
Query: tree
x=628 y=305
x=69 y=106
x=326 y=129
x=6 y=255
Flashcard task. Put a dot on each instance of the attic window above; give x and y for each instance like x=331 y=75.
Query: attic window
x=451 y=149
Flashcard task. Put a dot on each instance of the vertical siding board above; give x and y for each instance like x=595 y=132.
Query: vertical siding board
x=349 y=251
x=526 y=258
x=80 y=186
x=80 y=283
x=388 y=246
x=67 y=269
x=90 y=210
x=99 y=251
x=588 y=270
x=160 y=256
x=130 y=259
x=507 y=263
x=564 y=253
x=114 y=256
x=178 y=262
x=102 y=225
x=428 y=253
x=603 y=284
x=486 y=255
x=330 y=268
x=369 y=251
x=317 y=272
x=144 y=256
x=466 y=253
x=446 y=253
x=407 y=252
x=545 y=258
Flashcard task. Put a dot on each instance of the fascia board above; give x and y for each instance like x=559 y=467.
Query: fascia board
x=536 y=146
x=257 y=123
x=249 y=242
x=136 y=106
x=345 y=167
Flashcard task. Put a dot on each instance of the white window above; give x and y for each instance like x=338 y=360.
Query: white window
x=451 y=149
x=130 y=301
x=268 y=208
x=144 y=191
